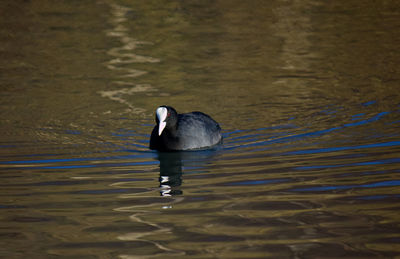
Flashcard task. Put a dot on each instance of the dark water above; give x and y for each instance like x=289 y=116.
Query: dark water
x=307 y=94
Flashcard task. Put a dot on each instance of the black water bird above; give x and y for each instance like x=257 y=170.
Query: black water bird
x=187 y=131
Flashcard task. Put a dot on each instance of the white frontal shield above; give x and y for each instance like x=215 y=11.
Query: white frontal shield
x=161 y=113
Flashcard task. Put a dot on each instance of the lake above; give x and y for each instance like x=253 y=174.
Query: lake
x=307 y=94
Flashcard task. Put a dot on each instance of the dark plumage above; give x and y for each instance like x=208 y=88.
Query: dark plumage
x=194 y=130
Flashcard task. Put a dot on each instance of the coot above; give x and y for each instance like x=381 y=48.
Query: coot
x=194 y=130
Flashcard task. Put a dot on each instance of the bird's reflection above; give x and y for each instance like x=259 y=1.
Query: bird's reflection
x=172 y=164
x=170 y=173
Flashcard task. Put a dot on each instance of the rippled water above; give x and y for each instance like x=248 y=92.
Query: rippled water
x=306 y=92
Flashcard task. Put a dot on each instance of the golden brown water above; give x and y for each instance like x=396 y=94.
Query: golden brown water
x=307 y=94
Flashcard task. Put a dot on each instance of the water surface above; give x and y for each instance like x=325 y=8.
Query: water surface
x=307 y=94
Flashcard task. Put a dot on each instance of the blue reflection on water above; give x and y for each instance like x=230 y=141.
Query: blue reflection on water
x=362 y=122
x=257 y=182
x=374 y=197
x=376 y=162
x=73 y=132
x=107 y=191
x=368 y=103
x=343 y=187
x=91 y=166
x=377 y=197
x=357 y=116
x=81 y=159
x=334 y=149
x=289 y=137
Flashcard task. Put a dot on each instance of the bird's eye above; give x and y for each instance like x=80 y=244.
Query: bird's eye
x=169 y=114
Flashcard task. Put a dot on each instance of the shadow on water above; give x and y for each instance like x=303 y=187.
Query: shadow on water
x=173 y=165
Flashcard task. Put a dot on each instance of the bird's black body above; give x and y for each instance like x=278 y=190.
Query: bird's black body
x=187 y=131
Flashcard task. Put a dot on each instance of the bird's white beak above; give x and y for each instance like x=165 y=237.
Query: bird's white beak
x=161 y=127
x=161 y=113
